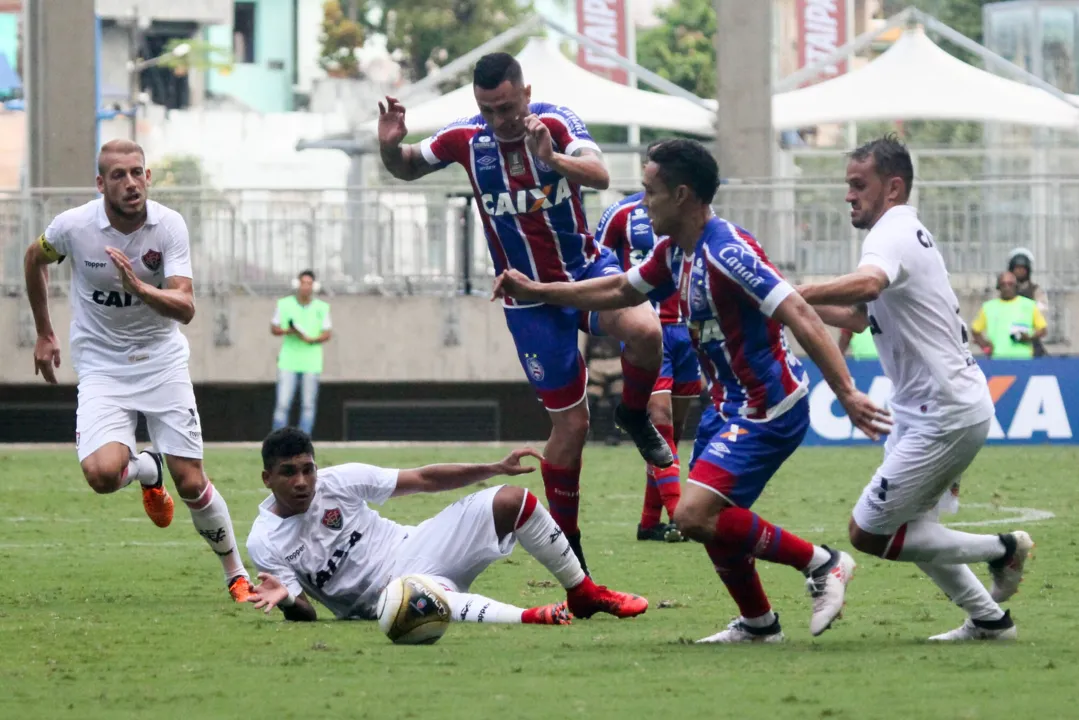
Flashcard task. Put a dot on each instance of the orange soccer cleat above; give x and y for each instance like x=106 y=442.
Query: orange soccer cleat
x=240 y=588
x=156 y=500
x=555 y=614
x=587 y=599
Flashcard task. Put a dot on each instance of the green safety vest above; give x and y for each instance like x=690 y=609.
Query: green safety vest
x=310 y=319
x=1002 y=318
x=862 y=346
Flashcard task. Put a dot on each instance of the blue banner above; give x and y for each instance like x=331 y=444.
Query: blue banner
x=1037 y=401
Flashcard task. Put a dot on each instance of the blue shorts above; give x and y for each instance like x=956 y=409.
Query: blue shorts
x=546 y=339
x=741 y=457
x=680 y=374
x=710 y=424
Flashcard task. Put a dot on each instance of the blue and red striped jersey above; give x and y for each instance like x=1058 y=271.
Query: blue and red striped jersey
x=728 y=291
x=533 y=217
x=626 y=228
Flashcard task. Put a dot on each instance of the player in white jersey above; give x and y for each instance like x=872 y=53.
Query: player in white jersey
x=131 y=284
x=941 y=402
x=317 y=536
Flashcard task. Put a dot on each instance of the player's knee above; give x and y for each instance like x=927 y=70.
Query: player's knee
x=693 y=522
x=101 y=479
x=190 y=480
x=507 y=505
x=865 y=542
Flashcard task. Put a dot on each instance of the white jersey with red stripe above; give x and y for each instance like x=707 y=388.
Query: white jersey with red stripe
x=533 y=217
x=626 y=228
x=728 y=290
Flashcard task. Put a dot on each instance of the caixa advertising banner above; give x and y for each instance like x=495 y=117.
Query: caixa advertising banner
x=1037 y=401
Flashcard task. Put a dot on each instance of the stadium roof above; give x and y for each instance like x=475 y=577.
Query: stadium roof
x=917 y=80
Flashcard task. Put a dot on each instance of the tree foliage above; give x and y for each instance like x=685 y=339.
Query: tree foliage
x=680 y=48
x=341 y=36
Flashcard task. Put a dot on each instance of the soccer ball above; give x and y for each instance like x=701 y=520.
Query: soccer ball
x=413 y=610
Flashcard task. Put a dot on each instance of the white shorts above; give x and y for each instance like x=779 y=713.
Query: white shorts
x=108 y=407
x=918 y=469
x=456 y=545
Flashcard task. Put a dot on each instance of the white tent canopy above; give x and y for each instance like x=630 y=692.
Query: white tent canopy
x=915 y=79
x=556 y=79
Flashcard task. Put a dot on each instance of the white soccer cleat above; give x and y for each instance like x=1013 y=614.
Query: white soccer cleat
x=828 y=587
x=1008 y=571
x=1003 y=629
x=739 y=632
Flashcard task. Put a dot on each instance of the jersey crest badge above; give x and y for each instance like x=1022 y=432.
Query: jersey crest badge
x=332 y=519
x=152 y=260
x=517 y=163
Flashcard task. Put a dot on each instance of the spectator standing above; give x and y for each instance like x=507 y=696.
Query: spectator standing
x=304 y=321
x=1007 y=326
x=1021 y=264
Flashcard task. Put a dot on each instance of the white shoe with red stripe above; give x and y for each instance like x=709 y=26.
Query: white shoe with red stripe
x=827 y=586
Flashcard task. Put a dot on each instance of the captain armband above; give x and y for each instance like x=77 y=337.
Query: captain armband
x=51 y=254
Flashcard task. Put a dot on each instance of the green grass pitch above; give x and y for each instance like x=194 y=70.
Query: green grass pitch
x=102 y=615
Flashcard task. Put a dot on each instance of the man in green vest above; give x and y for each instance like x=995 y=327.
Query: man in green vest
x=861 y=344
x=1007 y=327
x=304 y=321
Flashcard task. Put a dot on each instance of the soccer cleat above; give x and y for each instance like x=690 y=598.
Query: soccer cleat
x=240 y=588
x=1007 y=572
x=587 y=599
x=653 y=448
x=739 y=632
x=660 y=532
x=827 y=586
x=1003 y=629
x=554 y=614
x=156 y=500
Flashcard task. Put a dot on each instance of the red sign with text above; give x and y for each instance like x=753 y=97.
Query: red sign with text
x=822 y=29
x=603 y=21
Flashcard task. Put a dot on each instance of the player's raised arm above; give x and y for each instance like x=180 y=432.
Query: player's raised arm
x=404 y=162
x=580 y=161
x=451 y=476
x=42 y=253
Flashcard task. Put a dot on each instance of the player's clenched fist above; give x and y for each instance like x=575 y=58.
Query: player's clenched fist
x=538 y=138
x=514 y=284
x=46 y=357
x=391 y=122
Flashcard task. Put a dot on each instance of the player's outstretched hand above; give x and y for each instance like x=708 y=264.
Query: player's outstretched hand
x=391 y=122
x=538 y=138
x=511 y=464
x=513 y=284
x=866 y=415
x=268 y=593
x=47 y=357
x=130 y=281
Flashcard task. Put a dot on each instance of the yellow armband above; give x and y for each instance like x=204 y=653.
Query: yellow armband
x=49 y=251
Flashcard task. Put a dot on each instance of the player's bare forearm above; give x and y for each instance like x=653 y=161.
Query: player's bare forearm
x=585 y=168
x=606 y=293
x=300 y=611
x=812 y=335
x=862 y=286
x=404 y=162
x=848 y=317
x=442 y=477
x=325 y=336
x=36 y=271
x=175 y=301
x=277 y=331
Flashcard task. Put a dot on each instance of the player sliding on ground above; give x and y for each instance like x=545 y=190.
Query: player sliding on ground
x=736 y=304
x=317 y=535
x=941 y=403
x=131 y=286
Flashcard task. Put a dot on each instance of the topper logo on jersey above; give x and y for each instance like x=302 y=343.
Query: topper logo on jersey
x=1035 y=406
x=742 y=263
x=522 y=202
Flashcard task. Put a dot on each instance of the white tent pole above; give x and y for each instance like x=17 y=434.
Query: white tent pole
x=852 y=126
x=644 y=74
x=633 y=134
x=855 y=46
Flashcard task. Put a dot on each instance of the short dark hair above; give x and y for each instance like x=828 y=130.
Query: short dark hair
x=686 y=162
x=890 y=157
x=306 y=273
x=284 y=443
x=494 y=69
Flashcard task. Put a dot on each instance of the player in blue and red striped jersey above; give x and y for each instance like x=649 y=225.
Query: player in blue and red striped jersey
x=626 y=228
x=527 y=162
x=737 y=305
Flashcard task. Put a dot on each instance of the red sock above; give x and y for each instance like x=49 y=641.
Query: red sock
x=668 y=480
x=652 y=512
x=743 y=532
x=637 y=385
x=563 y=489
x=739 y=574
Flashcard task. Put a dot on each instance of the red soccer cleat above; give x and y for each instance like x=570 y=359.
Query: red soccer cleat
x=587 y=599
x=556 y=614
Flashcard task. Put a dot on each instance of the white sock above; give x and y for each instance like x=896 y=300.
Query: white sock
x=929 y=541
x=210 y=514
x=763 y=621
x=468 y=607
x=820 y=557
x=140 y=467
x=964 y=589
x=545 y=541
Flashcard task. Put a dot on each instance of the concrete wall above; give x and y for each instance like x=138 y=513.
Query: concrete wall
x=376 y=339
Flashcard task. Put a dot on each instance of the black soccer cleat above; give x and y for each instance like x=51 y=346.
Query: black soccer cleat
x=649 y=442
x=660 y=532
